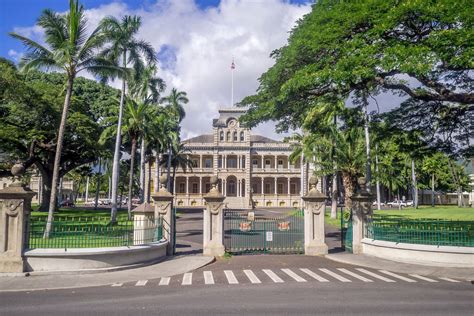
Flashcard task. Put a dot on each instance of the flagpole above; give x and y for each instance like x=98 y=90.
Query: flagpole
x=232 y=88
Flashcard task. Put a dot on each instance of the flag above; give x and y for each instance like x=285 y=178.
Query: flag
x=232 y=66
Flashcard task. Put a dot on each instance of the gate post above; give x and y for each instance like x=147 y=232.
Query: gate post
x=15 y=208
x=213 y=243
x=315 y=204
x=163 y=204
x=361 y=210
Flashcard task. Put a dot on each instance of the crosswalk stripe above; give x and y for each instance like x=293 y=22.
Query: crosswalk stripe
x=208 y=277
x=275 y=278
x=293 y=275
x=398 y=276
x=252 y=277
x=355 y=275
x=230 y=277
x=335 y=275
x=423 y=278
x=377 y=276
x=449 y=280
x=187 y=279
x=164 y=281
x=117 y=284
x=141 y=283
x=314 y=275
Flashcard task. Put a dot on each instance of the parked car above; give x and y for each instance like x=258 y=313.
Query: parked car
x=409 y=202
x=375 y=203
x=105 y=202
x=67 y=203
x=397 y=203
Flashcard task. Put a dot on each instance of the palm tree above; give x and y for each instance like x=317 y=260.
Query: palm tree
x=70 y=50
x=127 y=50
x=175 y=101
x=180 y=159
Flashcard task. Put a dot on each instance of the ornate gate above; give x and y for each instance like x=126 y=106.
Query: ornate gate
x=244 y=233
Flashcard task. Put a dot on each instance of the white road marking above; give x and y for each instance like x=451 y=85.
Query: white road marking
x=208 y=277
x=275 y=278
x=377 y=276
x=187 y=279
x=314 y=275
x=252 y=277
x=117 y=284
x=423 y=278
x=293 y=275
x=141 y=283
x=355 y=275
x=164 y=281
x=230 y=277
x=398 y=276
x=335 y=275
x=449 y=280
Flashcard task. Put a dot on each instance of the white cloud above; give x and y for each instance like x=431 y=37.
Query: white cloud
x=199 y=46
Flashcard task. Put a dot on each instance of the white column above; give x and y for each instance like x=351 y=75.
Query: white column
x=314 y=239
x=263 y=188
x=187 y=185
x=238 y=188
x=200 y=185
x=276 y=186
x=263 y=165
x=289 y=192
x=224 y=162
x=224 y=187
x=276 y=162
x=288 y=162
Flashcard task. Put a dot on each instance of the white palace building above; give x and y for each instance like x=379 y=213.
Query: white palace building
x=249 y=167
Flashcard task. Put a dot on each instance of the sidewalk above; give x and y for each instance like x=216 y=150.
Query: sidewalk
x=394 y=266
x=172 y=266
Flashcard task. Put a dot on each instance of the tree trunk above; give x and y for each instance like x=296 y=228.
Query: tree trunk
x=148 y=185
x=142 y=170
x=60 y=191
x=57 y=157
x=432 y=190
x=349 y=189
x=97 y=191
x=378 y=181
x=414 y=184
x=87 y=191
x=334 y=196
x=157 y=172
x=108 y=188
x=172 y=178
x=168 y=167
x=130 y=181
x=118 y=140
x=45 y=191
x=457 y=183
x=368 y=174
x=398 y=199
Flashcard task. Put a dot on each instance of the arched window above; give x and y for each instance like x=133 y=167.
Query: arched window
x=228 y=136
x=221 y=136
x=235 y=136
x=241 y=136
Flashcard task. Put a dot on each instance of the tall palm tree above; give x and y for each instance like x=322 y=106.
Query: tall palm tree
x=127 y=50
x=175 y=101
x=180 y=159
x=70 y=50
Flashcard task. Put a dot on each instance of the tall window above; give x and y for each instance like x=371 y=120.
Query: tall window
x=231 y=187
x=255 y=163
x=241 y=136
x=235 y=136
x=182 y=188
x=195 y=188
x=221 y=137
x=208 y=163
x=231 y=163
x=228 y=136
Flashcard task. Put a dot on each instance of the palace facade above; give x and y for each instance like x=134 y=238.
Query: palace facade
x=249 y=167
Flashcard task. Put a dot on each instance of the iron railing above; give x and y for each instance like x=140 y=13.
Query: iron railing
x=92 y=232
x=420 y=231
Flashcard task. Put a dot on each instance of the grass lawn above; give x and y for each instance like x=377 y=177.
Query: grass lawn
x=438 y=212
x=79 y=212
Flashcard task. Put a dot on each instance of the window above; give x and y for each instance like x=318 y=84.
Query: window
x=255 y=163
x=194 y=163
x=231 y=187
x=208 y=163
x=182 y=188
x=219 y=162
x=235 y=136
x=254 y=188
x=268 y=188
x=231 y=163
x=293 y=188
x=280 y=188
x=241 y=136
x=195 y=188
x=208 y=187
x=221 y=138
x=242 y=163
x=228 y=136
x=267 y=163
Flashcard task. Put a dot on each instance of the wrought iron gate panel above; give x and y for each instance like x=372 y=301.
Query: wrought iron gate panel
x=283 y=234
x=346 y=230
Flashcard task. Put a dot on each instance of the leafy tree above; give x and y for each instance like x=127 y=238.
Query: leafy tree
x=30 y=107
x=126 y=50
x=71 y=50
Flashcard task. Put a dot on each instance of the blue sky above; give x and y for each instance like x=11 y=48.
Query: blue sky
x=23 y=13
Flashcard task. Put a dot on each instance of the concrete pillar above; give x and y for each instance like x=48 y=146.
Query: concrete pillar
x=314 y=238
x=200 y=185
x=263 y=186
x=288 y=188
x=187 y=185
x=213 y=243
x=144 y=225
x=361 y=211
x=163 y=201
x=276 y=186
x=263 y=162
x=15 y=208
x=276 y=162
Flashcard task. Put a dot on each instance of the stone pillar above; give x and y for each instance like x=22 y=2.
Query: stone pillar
x=276 y=162
x=263 y=186
x=263 y=165
x=314 y=237
x=361 y=211
x=187 y=186
x=163 y=201
x=144 y=225
x=276 y=186
x=213 y=243
x=15 y=208
x=289 y=185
